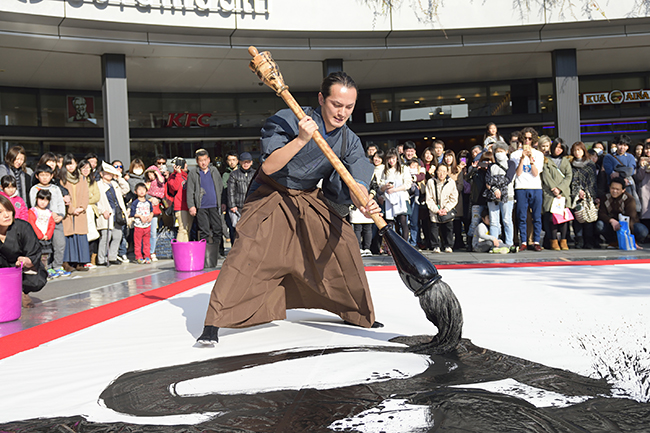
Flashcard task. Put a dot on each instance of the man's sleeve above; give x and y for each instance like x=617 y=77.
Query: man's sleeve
x=276 y=132
x=191 y=185
x=357 y=163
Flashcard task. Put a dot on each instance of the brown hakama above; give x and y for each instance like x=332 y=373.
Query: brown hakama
x=292 y=251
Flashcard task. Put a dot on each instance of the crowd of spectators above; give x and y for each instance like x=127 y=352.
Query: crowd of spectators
x=500 y=196
x=87 y=213
x=508 y=196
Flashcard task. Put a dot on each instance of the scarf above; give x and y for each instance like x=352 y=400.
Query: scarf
x=579 y=163
x=19 y=181
x=69 y=178
x=557 y=160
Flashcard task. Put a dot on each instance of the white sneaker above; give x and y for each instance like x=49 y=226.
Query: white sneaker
x=436 y=250
x=449 y=250
x=154 y=258
x=367 y=253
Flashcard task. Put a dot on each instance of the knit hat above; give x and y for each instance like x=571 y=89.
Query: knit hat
x=499 y=145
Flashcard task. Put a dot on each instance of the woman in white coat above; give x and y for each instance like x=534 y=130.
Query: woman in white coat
x=394 y=183
x=442 y=198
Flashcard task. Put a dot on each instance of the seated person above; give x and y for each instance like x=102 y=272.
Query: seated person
x=483 y=241
x=611 y=205
x=19 y=246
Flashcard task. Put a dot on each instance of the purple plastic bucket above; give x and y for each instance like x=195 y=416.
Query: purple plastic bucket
x=188 y=256
x=11 y=294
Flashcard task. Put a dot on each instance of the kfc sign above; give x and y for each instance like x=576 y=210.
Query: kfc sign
x=187 y=120
x=616 y=97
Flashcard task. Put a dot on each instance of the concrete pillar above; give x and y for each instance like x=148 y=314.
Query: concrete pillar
x=116 y=109
x=567 y=102
x=332 y=65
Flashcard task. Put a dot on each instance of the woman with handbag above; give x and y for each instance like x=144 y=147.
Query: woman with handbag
x=583 y=194
x=556 y=185
x=394 y=183
x=442 y=198
x=112 y=216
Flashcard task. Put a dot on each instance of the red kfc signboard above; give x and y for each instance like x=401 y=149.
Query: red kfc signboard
x=187 y=120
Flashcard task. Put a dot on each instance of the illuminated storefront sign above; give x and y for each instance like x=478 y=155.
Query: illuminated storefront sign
x=187 y=120
x=238 y=6
x=616 y=97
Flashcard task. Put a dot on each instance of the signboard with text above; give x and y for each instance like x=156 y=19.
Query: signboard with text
x=615 y=97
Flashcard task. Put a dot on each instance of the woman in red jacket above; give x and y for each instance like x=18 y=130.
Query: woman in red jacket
x=176 y=188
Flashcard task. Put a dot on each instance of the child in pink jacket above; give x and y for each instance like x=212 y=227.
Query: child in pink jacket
x=9 y=190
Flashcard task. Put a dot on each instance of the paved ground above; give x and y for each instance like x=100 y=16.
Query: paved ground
x=163 y=270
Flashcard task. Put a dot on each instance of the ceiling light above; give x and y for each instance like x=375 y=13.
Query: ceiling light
x=416 y=102
x=462 y=99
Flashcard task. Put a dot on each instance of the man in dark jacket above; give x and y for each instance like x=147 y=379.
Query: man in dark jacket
x=238 y=183
x=616 y=203
x=204 y=186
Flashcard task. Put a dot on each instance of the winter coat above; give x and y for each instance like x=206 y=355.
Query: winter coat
x=195 y=192
x=238 y=182
x=104 y=205
x=177 y=190
x=447 y=196
x=21 y=211
x=642 y=178
x=556 y=177
x=584 y=178
x=25 y=181
x=76 y=225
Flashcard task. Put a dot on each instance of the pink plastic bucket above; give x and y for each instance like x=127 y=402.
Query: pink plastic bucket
x=11 y=293
x=188 y=256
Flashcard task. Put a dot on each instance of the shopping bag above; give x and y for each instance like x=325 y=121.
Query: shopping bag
x=563 y=217
x=558 y=205
x=625 y=239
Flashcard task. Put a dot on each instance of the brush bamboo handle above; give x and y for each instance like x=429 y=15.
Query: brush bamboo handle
x=277 y=84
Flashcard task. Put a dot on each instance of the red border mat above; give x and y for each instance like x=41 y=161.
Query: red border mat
x=33 y=337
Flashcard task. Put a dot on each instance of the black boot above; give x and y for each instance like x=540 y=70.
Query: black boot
x=210 y=336
x=580 y=242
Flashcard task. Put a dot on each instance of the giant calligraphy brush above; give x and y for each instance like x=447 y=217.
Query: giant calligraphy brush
x=438 y=301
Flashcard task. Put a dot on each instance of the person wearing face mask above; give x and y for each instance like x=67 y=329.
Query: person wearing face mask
x=501 y=194
x=136 y=174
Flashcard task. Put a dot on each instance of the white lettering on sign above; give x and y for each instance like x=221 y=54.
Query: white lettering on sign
x=237 y=6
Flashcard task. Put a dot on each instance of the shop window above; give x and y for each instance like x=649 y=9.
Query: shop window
x=452 y=103
x=381 y=108
x=18 y=108
x=73 y=109
x=78 y=148
x=546 y=97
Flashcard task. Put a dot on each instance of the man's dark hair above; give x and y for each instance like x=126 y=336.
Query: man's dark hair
x=409 y=145
x=337 y=78
x=618 y=180
x=622 y=139
x=485 y=212
x=44 y=194
x=232 y=153
x=43 y=169
x=161 y=157
x=201 y=152
x=91 y=156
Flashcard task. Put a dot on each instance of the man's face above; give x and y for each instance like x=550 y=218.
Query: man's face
x=439 y=149
x=371 y=150
x=615 y=189
x=621 y=148
x=203 y=162
x=232 y=161
x=409 y=153
x=246 y=164
x=44 y=178
x=337 y=107
x=79 y=106
x=161 y=162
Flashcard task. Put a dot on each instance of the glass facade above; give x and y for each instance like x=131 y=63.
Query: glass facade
x=172 y=124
